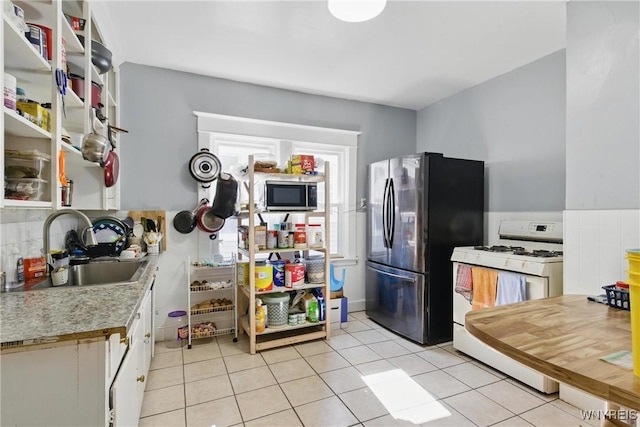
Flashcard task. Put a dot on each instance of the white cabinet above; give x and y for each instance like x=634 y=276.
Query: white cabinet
x=85 y=382
x=211 y=300
x=37 y=76
x=127 y=391
x=286 y=334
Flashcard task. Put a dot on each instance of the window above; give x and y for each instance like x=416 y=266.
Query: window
x=223 y=135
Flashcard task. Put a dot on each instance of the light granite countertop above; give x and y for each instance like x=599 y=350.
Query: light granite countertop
x=70 y=313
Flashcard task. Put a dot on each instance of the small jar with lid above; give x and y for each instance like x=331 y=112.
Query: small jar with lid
x=176 y=329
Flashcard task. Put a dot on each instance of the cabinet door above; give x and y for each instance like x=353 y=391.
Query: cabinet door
x=126 y=399
x=147 y=328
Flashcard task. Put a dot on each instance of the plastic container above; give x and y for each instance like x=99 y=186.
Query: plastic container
x=300 y=237
x=315 y=235
x=261 y=317
x=13 y=267
x=618 y=297
x=278 y=272
x=35 y=264
x=26 y=165
x=294 y=275
x=321 y=307
x=177 y=329
x=315 y=269
x=25 y=188
x=263 y=276
x=277 y=308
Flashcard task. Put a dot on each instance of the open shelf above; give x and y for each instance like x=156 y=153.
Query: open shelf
x=16 y=125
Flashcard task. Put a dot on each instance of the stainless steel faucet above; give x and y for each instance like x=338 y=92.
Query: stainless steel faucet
x=88 y=235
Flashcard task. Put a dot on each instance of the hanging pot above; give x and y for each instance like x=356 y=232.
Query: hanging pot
x=95 y=147
x=224 y=203
x=207 y=220
x=205 y=167
x=111 y=169
x=185 y=221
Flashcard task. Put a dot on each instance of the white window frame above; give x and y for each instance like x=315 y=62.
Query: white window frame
x=212 y=126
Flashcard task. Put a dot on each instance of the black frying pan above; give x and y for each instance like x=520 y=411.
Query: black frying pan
x=186 y=221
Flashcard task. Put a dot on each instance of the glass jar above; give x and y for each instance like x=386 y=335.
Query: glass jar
x=176 y=329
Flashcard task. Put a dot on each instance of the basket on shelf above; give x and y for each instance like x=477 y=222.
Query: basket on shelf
x=277 y=308
x=618 y=297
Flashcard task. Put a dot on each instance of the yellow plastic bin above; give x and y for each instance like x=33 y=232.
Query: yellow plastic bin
x=633 y=255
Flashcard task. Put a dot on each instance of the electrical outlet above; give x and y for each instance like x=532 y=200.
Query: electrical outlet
x=363 y=203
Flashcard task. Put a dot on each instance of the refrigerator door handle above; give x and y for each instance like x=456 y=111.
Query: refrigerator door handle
x=392 y=212
x=385 y=202
x=398 y=276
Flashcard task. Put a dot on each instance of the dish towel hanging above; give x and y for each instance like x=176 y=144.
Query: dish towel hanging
x=484 y=287
x=464 y=281
x=511 y=288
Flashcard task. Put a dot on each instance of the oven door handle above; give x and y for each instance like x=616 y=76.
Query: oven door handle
x=399 y=276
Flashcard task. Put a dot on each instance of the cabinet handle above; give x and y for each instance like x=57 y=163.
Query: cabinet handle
x=148 y=335
x=140 y=378
x=124 y=341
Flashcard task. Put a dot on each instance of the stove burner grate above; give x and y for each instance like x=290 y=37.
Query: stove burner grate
x=519 y=250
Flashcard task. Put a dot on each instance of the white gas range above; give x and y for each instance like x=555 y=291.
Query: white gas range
x=530 y=249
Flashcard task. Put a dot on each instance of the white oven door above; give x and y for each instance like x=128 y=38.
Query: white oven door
x=537 y=287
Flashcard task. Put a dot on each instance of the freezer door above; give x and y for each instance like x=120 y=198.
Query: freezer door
x=396 y=300
x=377 y=215
x=407 y=189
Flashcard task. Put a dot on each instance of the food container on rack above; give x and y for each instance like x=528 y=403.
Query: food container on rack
x=263 y=276
x=25 y=188
x=176 y=329
x=315 y=269
x=25 y=164
x=277 y=308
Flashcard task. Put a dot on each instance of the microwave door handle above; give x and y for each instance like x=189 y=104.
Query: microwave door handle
x=392 y=212
x=384 y=213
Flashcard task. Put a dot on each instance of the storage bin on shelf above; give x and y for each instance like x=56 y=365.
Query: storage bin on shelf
x=25 y=164
x=277 y=308
x=25 y=188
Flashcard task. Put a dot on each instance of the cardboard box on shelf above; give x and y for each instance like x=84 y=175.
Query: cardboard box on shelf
x=339 y=312
x=302 y=164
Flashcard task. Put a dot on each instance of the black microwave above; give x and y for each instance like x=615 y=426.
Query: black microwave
x=291 y=196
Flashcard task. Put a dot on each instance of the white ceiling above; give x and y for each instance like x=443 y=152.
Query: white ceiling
x=412 y=55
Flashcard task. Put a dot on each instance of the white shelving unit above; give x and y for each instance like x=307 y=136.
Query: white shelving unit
x=212 y=300
x=283 y=335
x=36 y=75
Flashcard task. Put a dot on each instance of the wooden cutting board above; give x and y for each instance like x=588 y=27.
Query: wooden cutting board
x=156 y=216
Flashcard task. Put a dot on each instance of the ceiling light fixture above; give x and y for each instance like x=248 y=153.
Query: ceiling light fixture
x=356 y=10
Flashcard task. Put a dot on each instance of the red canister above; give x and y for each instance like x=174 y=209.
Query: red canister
x=294 y=275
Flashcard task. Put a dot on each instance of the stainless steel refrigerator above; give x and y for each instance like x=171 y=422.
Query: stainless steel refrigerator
x=421 y=206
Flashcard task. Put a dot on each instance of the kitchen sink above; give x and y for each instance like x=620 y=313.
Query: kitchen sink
x=98 y=273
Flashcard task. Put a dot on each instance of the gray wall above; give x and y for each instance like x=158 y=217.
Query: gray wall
x=515 y=123
x=603 y=128
x=157 y=108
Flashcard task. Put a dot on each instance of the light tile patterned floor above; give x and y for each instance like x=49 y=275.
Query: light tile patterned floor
x=363 y=376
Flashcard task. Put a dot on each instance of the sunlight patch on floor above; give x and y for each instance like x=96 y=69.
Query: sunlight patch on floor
x=404 y=398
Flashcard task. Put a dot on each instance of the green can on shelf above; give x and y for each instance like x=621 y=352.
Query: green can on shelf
x=277 y=308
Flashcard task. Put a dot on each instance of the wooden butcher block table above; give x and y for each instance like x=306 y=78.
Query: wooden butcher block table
x=564 y=337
